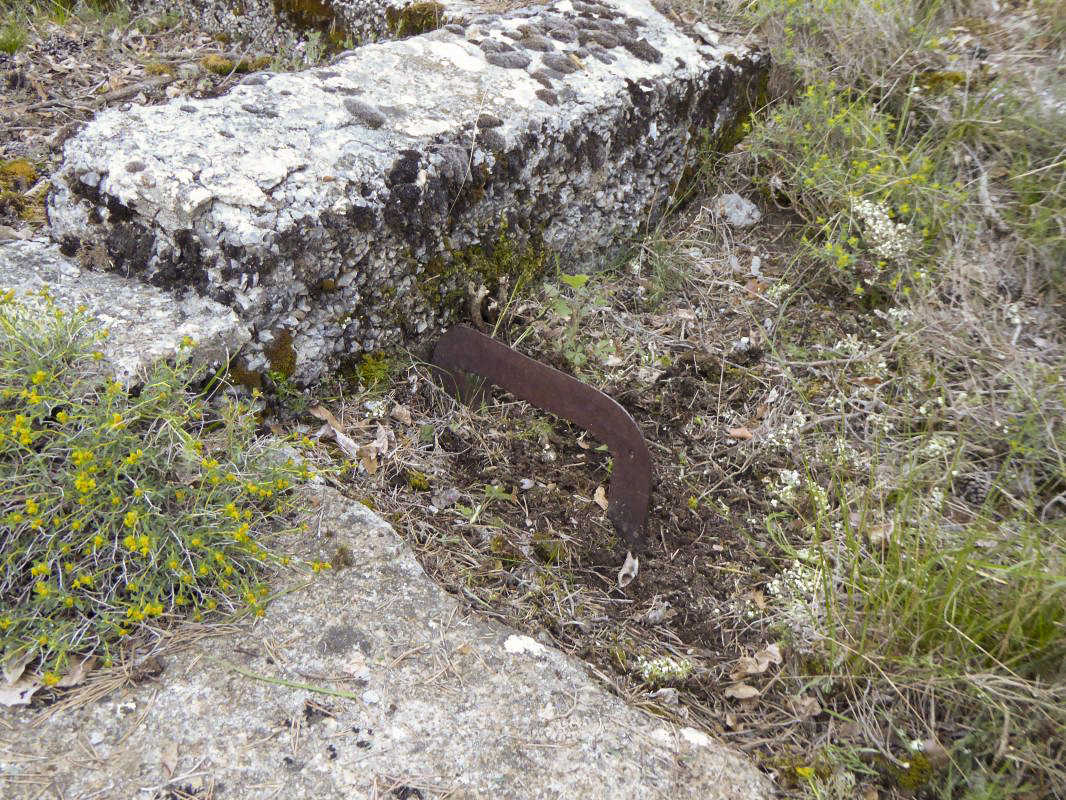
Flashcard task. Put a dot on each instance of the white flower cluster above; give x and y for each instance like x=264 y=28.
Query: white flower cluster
x=890 y=240
x=788 y=481
x=796 y=589
x=663 y=669
x=938 y=445
x=850 y=345
x=784 y=435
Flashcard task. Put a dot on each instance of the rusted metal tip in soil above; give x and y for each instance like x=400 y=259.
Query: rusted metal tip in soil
x=463 y=350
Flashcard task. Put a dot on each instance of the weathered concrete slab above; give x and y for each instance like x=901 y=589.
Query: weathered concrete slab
x=145 y=324
x=440 y=703
x=345 y=209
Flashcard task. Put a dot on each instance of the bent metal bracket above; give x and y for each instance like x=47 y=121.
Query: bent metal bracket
x=463 y=350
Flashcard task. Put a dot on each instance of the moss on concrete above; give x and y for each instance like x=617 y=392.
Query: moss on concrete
x=280 y=353
x=414 y=19
x=220 y=65
x=17 y=177
x=445 y=278
x=316 y=15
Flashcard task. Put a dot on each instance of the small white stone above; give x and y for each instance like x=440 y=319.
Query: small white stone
x=698 y=738
x=737 y=211
x=523 y=644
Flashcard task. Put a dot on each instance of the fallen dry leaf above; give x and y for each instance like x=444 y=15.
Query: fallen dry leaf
x=806 y=707
x=18 y=693
x=600 y=498
x=628 y=571
x=79 y=667
x=741 y=691
x=401 y=414
x=346 y=444
x=169 y=757
x=756 y=664
x=15 y=666
x=739 y=433
x=324 y=414
x=367 y=455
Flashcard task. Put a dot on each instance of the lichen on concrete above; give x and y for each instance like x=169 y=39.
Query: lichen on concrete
x=375 y=176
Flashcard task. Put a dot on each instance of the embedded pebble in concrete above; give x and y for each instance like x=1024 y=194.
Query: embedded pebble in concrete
x=372 y=681
x=365 y=113
x=329 y=209
x=512 y=59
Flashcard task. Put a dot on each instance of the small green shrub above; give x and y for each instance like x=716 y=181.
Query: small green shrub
x=574 y=304
x=119 y=510
x=874 y=203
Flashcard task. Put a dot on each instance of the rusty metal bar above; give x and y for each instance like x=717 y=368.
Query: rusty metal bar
x=463 y=350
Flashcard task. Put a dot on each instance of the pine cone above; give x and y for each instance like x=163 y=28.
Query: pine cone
x=973 y=487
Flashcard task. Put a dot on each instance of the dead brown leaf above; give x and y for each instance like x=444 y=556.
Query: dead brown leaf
x=756 y=664
x=401 y=414
x=741 y=691
x=77 y=670
x=18 y=693
x=739 y=433
x=600 y=498
x=169 y=757
x=806 y=707
x=324 y=414
x=15 y=666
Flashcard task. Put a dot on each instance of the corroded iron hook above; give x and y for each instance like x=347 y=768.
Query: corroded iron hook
x=462 y=350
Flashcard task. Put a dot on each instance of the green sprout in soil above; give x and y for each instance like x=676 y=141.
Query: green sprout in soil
x=119 y=511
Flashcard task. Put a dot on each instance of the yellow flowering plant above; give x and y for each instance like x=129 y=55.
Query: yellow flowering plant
x=120 y=510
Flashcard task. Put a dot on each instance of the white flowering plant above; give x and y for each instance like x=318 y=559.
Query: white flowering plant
x=872 y=207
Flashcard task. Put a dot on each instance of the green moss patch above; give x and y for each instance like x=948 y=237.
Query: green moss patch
x=414 y=19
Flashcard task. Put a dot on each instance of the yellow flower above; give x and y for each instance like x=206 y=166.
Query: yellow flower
x=39 y=377
x=130 y=520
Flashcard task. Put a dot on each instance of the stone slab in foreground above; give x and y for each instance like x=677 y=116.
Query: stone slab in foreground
x=444 y=703
x=145 y=324
x=348 y=208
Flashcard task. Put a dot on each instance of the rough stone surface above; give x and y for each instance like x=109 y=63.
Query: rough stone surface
x=145 y=323
x=331 y=234
x=440 y=703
